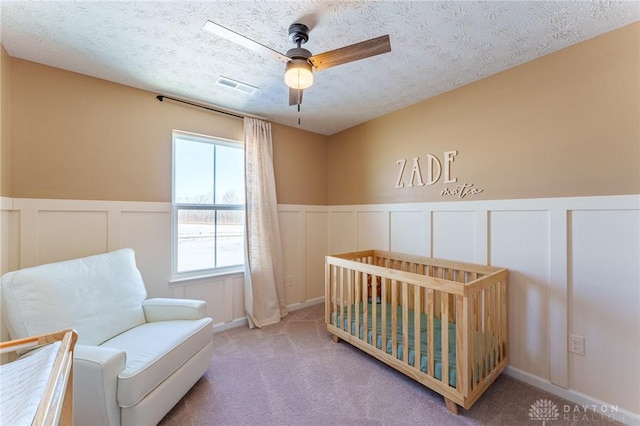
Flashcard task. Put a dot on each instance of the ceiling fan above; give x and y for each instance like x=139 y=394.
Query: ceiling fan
x=300 y=63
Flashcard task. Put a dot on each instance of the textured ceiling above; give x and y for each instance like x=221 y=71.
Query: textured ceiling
x=436 y=46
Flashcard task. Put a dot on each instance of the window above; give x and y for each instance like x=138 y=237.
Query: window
x=208 y=205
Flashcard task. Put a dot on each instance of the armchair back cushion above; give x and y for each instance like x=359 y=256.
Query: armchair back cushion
x=98 y=296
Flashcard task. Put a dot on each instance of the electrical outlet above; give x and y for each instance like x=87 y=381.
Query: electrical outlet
x=288 y=281
x=576 y=344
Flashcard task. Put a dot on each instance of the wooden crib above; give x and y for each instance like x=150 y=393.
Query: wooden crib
x=37 y=389
x=459 y=308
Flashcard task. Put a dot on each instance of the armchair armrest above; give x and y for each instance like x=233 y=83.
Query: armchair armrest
x=163 y=309
x=95 y=382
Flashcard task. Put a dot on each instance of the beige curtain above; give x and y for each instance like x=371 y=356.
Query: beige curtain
x=263 y=277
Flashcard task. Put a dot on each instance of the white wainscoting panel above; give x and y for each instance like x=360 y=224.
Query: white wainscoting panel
x=558 y=297
x=454 y=235
x=83 y=234
x=315 y=245
x=520 y=242
x=9 y=236
x=149 y=234
x=304 y=231
x=291 y=235
x=343 y=235
x=224 y=296
x=9 y=228
x=605 y=304
x=373 y=230
x=410 y=232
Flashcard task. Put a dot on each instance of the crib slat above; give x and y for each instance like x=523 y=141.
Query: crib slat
x=342 y=296
x=449 y=277
x=394 y=318
x=444 y=334
x=330 y=294
x=374 y=310
x=350 y=278
x=504 y=347
x=417 y=327
x=336 y=296
x=430 y=339
x=467 y=351
x=365 y=309
x=481 y=340
x=493 y=324
x=480 y=316
x=461 y=356
x=384 y=296
x=493 y=334
x=473 y=325
x=405 y=322
x=487 y=301
x=499 y=335
x=359 y=311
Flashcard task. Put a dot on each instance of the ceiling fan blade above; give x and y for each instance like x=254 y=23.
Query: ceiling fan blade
x=295 y=96
x=233 y=36
x=354 y=52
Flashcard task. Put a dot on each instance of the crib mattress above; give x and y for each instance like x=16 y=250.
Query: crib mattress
x=424 y=360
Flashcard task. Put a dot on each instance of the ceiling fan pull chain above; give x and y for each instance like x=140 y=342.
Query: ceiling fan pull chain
x=298 y=109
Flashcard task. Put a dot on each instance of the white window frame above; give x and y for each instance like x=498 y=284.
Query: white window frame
x=201 y=273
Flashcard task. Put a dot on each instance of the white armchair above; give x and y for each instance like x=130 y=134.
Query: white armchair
x=135 y=357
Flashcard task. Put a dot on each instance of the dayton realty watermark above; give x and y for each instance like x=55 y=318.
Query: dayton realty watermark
x=545 y=411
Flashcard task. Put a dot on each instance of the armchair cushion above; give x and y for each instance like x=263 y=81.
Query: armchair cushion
x=154 y=351
x=98 y=296
x=159 y=309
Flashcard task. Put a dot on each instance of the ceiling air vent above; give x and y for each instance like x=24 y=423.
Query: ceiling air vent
x=241 y=87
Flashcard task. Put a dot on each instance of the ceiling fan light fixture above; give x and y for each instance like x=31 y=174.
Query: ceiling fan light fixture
x=298 y=74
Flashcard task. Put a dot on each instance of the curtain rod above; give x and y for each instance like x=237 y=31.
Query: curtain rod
x=162 y=97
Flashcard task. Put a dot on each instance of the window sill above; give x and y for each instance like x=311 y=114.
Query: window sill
x=203 y=278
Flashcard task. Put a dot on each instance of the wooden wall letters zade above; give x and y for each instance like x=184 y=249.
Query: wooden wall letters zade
x=435 y=169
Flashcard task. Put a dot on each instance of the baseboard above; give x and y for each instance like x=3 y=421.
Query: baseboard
x=305 y=304
x=586 y=407
x=224 y=326
x=240 y=322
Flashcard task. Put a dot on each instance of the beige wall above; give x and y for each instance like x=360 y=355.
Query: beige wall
x=300 y=163
x=5 y=123
x=78 y=137
x=566 y=124
x=563 y=125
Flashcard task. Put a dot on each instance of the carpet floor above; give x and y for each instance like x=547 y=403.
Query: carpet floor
x=292 y=373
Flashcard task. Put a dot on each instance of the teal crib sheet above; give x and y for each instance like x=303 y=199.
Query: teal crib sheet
x=437 y=336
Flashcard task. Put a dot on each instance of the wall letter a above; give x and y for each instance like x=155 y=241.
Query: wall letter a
x=415 y=172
